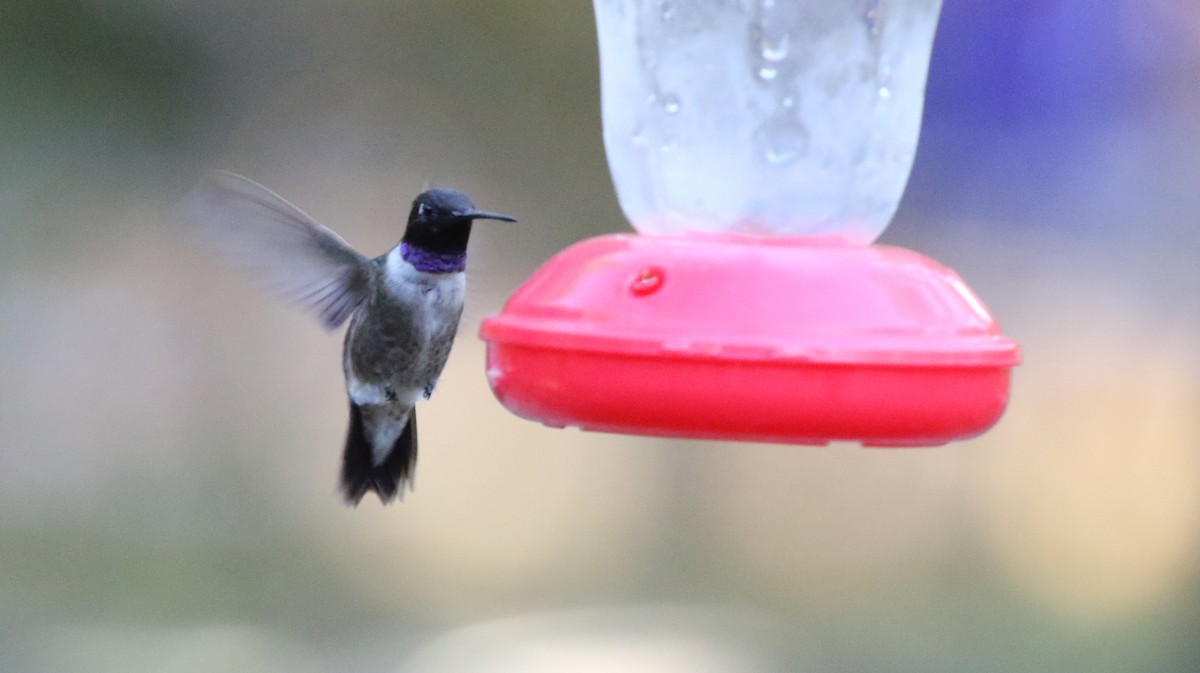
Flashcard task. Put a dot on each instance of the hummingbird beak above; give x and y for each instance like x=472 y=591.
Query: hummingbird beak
x=484 y=215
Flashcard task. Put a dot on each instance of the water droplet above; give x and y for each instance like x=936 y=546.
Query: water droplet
x=774 y=50
x=767 y=73
x=787 y=103
x=782 y=139
x=781 y=154
x=670 y=104
x=638 y=139
x=874 y=18
x=885 y=93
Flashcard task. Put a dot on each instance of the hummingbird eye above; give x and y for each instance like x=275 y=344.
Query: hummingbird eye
x=422 y=210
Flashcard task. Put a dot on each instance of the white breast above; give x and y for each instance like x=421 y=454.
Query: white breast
x=437 y=296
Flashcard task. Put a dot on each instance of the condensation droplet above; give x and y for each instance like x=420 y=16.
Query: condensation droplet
x=787 y=103
x=668 y=10
x=781 y=154
x=885 y=93
x=782 y=139
x=871 y=18
x=774 y=50
x=874 y=18
x=767 y=73
x=670 y=104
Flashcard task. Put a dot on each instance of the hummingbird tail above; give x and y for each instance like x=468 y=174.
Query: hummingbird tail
x=360 y=473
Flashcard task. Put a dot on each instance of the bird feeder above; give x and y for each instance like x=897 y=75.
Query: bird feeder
x=759 y=148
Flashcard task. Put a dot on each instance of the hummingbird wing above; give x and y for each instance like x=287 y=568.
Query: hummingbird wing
x=299 y=259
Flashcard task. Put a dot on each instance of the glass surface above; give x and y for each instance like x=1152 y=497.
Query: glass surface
x=792 y=117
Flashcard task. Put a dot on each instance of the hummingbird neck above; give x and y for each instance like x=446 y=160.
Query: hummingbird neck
x=428 y=261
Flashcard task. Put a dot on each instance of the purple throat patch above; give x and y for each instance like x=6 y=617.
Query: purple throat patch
x=433 y=262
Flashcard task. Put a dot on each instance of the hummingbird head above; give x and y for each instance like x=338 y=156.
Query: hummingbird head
x=440 y=222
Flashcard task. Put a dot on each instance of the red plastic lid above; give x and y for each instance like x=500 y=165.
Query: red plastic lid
x=743 y=337
x=791 y=299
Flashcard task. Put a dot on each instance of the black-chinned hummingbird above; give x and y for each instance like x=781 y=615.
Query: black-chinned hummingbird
x=404 y=306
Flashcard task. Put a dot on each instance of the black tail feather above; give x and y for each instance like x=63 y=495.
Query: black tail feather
x=360 y=474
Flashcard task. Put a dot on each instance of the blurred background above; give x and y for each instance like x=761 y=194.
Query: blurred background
x=170 y=435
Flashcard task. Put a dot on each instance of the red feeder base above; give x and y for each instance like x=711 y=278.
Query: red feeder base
x=750 y=338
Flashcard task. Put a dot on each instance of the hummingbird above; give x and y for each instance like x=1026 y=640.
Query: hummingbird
x=403 y=306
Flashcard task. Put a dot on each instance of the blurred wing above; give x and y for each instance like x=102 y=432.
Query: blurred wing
x=298 y=258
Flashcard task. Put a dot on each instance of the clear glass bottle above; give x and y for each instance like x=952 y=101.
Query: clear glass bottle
x=785 y=117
